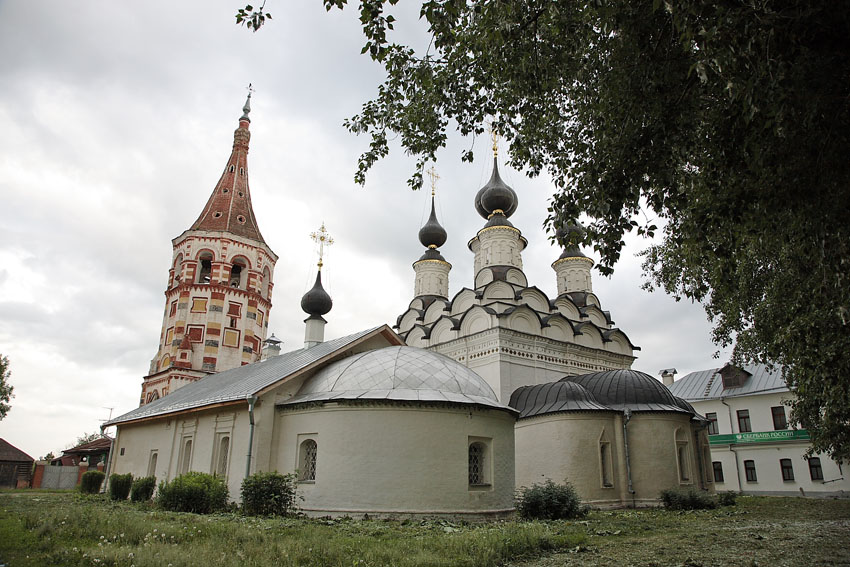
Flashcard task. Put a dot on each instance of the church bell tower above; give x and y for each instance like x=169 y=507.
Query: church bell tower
x=219 y=289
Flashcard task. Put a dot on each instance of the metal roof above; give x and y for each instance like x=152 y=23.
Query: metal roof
x=400 y=373
x=707 y=384
x=630 y=389
x=553 y=397
x=239 y=383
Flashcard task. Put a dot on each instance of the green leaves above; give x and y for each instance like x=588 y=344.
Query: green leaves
x=251 y=19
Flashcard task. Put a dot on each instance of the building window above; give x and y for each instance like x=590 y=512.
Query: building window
x=779 y=419
x=712 y=423
x=717 y=466
x=750 y=471
x=152 y=463
x=787 y=469
x=684 y=468
x=307 y=466
x=605 y=464
x=815 y=470
x=744 y=421
x=186 y=457
x=206 y=269
x=173 y=311
x=223 y=450
x=478 y=464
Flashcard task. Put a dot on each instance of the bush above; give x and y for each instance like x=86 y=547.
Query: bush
x=91 y=481
x=143 y=488
x=197 y=492
x=727 y=498
x=688 y=499
x=549 y=501
x=268 y=494
x=119 y=486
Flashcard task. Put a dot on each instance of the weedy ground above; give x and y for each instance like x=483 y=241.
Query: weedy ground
x=69 y=529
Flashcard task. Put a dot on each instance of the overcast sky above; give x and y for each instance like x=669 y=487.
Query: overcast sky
x=117 y=120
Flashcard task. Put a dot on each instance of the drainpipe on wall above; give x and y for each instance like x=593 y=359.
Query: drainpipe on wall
x=251 y=401
x=627 y=416
x=731 y=448
x=702 y=483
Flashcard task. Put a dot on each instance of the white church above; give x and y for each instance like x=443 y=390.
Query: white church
x=446 y=414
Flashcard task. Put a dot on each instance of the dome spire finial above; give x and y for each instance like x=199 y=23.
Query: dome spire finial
x=246 y=110
x=322 y=238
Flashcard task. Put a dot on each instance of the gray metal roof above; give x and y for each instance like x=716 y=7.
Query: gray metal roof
x=630 y=389
x=553 y=397
x=238 y=383
x=707 y=384
x=399 y=373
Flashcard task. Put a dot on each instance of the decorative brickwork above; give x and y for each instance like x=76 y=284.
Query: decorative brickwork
x=219 y=266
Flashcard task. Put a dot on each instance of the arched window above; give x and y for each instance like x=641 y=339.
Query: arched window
x=186 y=457
x=178 y=269
x=205 y=267
x=223 y=450
x=267 y=281
x=307 y=458
x=605 y=464
x=478 y=464
x=152 y=464
x=683 y=460
x=238 y=273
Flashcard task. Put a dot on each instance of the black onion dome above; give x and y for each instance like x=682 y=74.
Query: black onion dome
x=498 y=220
x=629 y=389
x=553 y=397
x=563 y=235
x=496 y=195
x=432 y=234
x=316 y=302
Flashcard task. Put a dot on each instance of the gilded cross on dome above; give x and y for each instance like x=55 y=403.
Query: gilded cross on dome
x=432 y=173
x=322 y=238
x=495 y=137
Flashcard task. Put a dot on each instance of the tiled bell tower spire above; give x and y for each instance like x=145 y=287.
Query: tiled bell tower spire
x=218 y=294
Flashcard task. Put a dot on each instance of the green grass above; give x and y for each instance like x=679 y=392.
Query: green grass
x=69 y=529
x=39 y=529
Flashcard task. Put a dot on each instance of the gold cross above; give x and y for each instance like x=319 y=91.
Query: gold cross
x=322 y=238
x=432 y=173
x=250 y=88
x=495 y=137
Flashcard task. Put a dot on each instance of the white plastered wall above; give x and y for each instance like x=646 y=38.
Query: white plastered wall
x=396 y=460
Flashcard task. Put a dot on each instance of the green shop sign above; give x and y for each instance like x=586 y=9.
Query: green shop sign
x=760 y=437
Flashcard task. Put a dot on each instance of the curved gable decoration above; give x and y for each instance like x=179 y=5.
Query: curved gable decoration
x=535 y=299
x=525 y=320
x=589 y=335
x=498 y=290
x=559 y=328
x=436 y=310
x=567 y=308
x=416 y=337
x=444 y=330
x=462 y=301
x=475 y=320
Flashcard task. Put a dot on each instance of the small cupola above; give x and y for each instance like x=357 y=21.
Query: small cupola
x=317 y=302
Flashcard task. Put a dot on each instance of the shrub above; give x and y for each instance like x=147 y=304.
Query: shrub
x=688 y=499
x=143 y=488
x=549 y=501
x=268 y=494
x=727 y=498
x=119 y=486
x=91 y=481
x=196 y=492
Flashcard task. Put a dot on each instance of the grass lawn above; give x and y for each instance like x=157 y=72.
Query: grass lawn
x=44 y=528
